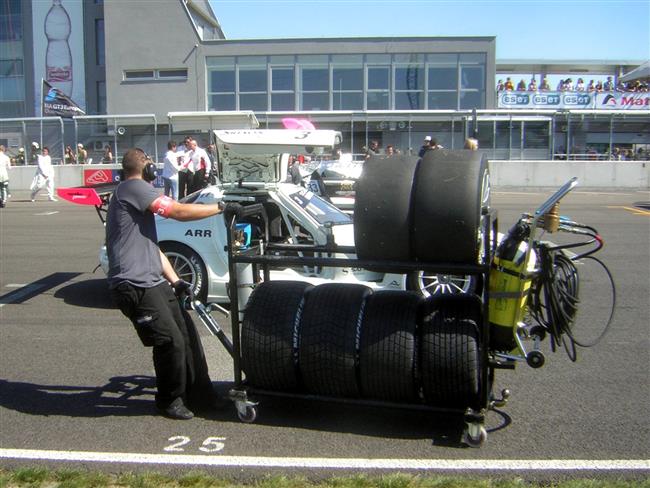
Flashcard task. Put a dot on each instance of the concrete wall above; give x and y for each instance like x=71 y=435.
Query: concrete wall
x=503 y=174
x=591 y=174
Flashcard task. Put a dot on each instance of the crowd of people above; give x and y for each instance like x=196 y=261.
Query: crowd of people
x=568 y=85
x=591 y=154
x=428 y=144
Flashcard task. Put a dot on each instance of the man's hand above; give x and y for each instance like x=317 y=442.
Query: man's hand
x=183 y=290
x=232 y=209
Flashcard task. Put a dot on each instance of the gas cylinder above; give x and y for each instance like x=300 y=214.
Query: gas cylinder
x=510 y=280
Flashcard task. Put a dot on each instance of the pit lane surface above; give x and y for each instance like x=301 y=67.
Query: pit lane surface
x=76 y=385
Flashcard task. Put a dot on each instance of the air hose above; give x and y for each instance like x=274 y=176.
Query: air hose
x=554 y=299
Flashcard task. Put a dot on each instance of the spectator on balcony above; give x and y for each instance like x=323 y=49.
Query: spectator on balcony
x=568 y=85
x=509 y=86
x=544 y=85
x=532 y=86
x=561 y=86
x=580 y=85
x=609 y=85
x=591 y=87
x=620 y=86
x=521 y=86
x=599 y=86
x=500 y=85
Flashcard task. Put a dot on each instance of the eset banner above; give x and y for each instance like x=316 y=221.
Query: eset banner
x=574 y=100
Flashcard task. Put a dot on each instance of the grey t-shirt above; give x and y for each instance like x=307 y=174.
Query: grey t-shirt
x=131 y=239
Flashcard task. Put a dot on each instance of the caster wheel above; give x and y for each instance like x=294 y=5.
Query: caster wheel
x=535 y=359
x=248 y=416
x=475 y=441
x=538 y=331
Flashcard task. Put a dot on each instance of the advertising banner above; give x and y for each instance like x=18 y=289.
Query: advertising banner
x=574 y=100
x=59 y=49
x=99 y=176
x=56 y=103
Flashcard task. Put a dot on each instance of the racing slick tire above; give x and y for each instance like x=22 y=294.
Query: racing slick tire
x=269 y=334
x=450 y=193
x=329 y=338
x=449 y=351
x=387 y=351
x=382 y=208
x=188 y=266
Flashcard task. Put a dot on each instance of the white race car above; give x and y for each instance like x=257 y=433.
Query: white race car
x=253 y=168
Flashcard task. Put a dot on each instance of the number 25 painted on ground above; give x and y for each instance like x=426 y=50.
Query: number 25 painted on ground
x=211 y=444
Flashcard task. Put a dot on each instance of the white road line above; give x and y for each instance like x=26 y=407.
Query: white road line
x=18 y=295
x=48 y=213
x=15 y=285
x=517 y=465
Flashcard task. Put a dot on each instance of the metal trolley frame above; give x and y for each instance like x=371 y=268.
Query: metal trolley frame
x=263 y=256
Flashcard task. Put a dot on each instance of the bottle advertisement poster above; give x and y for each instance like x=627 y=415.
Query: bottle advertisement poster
x=59 y=49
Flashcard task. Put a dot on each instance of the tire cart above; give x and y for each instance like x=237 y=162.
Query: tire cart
x=342 y=342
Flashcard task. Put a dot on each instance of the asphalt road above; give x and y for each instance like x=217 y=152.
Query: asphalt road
x=76 y=385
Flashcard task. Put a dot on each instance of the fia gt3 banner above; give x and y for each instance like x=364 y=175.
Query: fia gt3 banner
x=575 y=100
x=58 y=104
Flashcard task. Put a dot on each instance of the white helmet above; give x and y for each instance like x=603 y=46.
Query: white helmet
x=35 y=145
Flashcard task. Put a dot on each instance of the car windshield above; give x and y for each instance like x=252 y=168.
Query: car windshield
x=319 y=209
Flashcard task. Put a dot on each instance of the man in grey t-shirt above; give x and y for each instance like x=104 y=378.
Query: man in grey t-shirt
x=145 y=287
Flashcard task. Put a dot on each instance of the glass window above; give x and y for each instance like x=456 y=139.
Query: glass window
x=11 y=67
x=409 y=101
x=378 y=58
x=252 y=80
x=443 y=100
x=223 y=62
x=315 y=101
x=222 y=81
x=475 y=58
x=139 y=75
x=251 y=61
x=282 y=101
x=314 y=79
x=313 y=59
x=222 y=102
x=502 y=133
x=347 y=78
x=443 y=58
x=100 y=58
x=347 y=100
x=11 y=25
x=378 y=77
x=172 y=73
x=282 y=79
x=471 y=99
x=472 y=77
x=378 y=101
x=536 y=135
x=253 y=101
x=409 y=78
x=443 y=78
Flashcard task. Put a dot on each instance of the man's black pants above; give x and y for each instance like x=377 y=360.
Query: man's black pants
x=185 y=180
x=178 y=357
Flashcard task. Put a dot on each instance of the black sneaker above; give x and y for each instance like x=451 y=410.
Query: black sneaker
x=177 y=411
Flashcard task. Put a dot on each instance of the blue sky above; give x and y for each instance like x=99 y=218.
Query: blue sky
x=568 y=29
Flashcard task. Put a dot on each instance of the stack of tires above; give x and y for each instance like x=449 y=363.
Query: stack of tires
x=342 y=340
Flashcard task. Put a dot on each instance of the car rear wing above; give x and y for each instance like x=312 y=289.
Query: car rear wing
x=97 y=196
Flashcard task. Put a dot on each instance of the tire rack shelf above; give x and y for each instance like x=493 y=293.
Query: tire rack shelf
x=260 y=257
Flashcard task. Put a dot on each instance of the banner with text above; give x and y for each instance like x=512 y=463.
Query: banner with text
x=575 y=100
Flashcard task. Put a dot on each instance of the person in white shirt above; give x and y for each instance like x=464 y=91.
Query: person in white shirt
x=198 y=163
x=5 y=164
x=184 y=174
x=173 y=163
x=44 y=177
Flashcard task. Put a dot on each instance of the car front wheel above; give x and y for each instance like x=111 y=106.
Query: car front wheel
x=436 y=284
x=189 y=267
